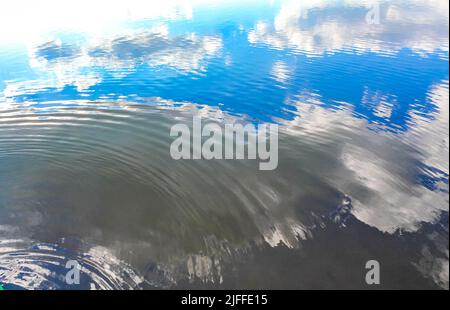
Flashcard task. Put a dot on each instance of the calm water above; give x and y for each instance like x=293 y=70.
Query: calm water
x=90 y=89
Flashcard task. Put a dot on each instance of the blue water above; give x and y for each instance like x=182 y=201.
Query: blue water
x=85 y=102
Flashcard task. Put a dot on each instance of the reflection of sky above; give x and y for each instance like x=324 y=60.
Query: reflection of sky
x=315 y=66
x=256 y=60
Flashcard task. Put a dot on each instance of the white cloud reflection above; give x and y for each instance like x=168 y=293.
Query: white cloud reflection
x=27 y=20
x=281 y=72
x=382 y=184
x=318 y=27
x=61 y=65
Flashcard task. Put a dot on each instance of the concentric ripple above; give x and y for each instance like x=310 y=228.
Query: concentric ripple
x=31 y=266
x=101 y=172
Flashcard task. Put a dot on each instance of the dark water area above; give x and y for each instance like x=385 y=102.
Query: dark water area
x=88 y=97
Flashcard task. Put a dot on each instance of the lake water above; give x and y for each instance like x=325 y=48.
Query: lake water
x=90 y=89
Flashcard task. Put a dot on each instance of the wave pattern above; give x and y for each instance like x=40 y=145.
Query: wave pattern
x=86 y=107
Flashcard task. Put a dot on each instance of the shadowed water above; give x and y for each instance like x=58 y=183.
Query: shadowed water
x=86 y=174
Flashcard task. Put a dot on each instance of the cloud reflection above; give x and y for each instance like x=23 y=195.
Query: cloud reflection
x=63 y=64
x=30 y=20
x=319 y=27
x=392 y=187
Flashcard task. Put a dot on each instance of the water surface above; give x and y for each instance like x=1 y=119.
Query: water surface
x=87 y=99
